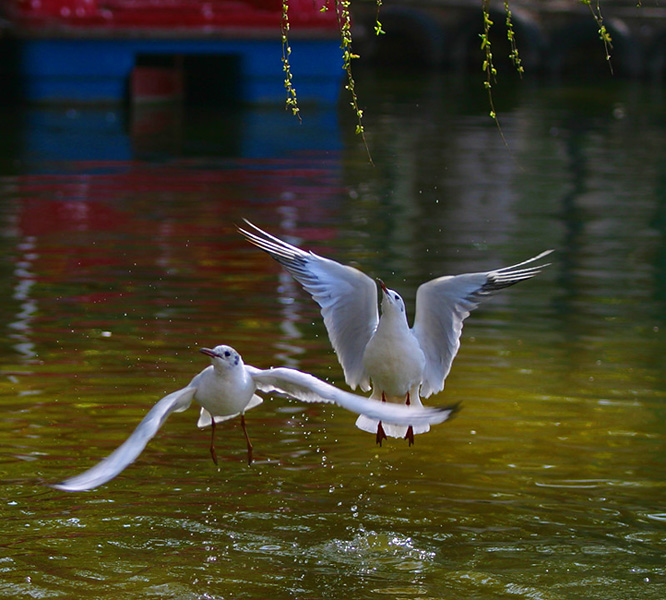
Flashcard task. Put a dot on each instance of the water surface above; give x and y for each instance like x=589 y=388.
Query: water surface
x=120 y=259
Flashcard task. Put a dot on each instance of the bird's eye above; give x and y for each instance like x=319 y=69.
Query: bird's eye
x=227 y=354
x=396 y=296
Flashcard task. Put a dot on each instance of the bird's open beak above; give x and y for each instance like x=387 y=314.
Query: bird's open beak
x=383 y=286
x=207 y=352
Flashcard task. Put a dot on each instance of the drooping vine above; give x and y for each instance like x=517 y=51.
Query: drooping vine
x=487 y=66
x=604 y=36
x=344 y=17
x=378 y=25
x=343 y=10
x=344 y=21
x=291 y=102
x=511 y=36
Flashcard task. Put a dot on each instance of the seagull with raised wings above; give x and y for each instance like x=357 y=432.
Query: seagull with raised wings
x=380 y=351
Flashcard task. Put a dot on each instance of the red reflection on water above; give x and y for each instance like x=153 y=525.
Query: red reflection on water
x=152 y=248
x=40 y=217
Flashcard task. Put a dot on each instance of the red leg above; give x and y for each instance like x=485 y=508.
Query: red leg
x=212 y=440
x=410 y=435
x=410 y=430
x=381 y=434
x=247 y=439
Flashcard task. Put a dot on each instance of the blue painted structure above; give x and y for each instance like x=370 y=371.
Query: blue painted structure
x=75 y=69
x=98 y=50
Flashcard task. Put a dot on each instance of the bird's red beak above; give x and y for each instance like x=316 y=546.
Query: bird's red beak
x=207 y=352
x=383 y=286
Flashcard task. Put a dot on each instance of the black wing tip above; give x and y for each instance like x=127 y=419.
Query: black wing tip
x=257 y=233
x=508 y=276
x=289 y=256
x=452 y=409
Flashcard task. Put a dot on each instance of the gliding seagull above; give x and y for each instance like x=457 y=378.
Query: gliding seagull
x=400 y=363
x=226 y=389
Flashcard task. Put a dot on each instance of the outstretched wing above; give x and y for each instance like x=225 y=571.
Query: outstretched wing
x=347 y=297
x=127 y=453
x=308 y=388
x=444 y=303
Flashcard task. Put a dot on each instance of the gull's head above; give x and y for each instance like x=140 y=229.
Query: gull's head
x=391 y=300
x=223 y=357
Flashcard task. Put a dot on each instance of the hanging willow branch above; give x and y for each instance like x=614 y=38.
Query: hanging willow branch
x=488 y=67
x=604 y=36
x=344 y=17
x=511 y=36
x=291 y=102
x=378 y=25
x=344 y=21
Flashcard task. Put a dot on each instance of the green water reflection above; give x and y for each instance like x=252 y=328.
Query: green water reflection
x=548 y=485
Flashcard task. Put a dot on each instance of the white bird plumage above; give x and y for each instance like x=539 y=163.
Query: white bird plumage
x=226 y=389
x=381 y=352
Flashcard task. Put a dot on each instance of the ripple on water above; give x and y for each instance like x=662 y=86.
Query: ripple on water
x=578 y=484
x=657 y=517
x=368 y=551
x=485 y=583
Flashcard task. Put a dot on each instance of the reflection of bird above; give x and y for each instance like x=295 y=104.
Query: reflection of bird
x=403 y=364
x=226 y=389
